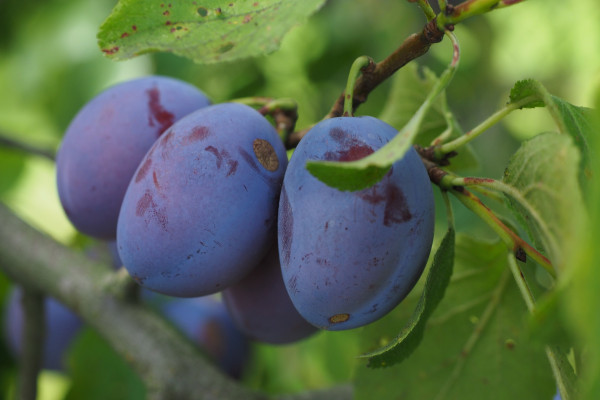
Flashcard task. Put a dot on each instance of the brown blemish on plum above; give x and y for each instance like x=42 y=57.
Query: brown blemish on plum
x=221 y=156
x=266 y=155
x=396 y=210
x=158 y=113
x=146 y=205
x=336 y=319
x=351 y=148
x=217 y=154
x=198 y=133
x=143 y=171
x=155 y=180
x=286 y=218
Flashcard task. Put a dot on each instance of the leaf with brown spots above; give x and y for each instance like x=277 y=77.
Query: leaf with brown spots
x=205 y=31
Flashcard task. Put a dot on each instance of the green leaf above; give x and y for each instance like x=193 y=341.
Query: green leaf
x=527 y=88
x=363 y=173
x=98 y=373
x=205 y=31
x=411 y=335
x=476 y=344
x=409 y=90
x=570 y=120
x=544 y=171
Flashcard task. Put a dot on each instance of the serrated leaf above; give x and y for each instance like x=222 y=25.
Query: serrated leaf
x=476 y=344
x=205 y=31
x=527 y=88
x=570 y=120
x=544 y=171
x=411 y=335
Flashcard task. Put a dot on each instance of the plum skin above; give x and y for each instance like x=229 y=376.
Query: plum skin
x=105 y=142
x=206 y=322
x=261 y=308
x=348 y=258
x=62 y=325
x=201 y=209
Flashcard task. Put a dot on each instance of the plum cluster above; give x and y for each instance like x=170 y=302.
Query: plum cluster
x=201 y=200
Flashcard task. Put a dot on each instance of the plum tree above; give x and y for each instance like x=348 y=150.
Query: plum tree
x=62 y=325
x=106 y=141
x=350 y=257
x=262 y=309
x=201 y=209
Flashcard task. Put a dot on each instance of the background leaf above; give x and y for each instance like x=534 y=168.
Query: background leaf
x=544 y=171
x=411 y=335
x=205 y=31
x=476 y=344
x=97 y=372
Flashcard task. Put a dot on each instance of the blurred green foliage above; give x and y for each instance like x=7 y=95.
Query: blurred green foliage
x=50 y=66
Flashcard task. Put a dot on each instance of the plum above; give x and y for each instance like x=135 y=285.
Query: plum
x=206 y=322
x=201 y=209
x=348 y=258
x=106 y=141
x=261 y=307
x=62 y=325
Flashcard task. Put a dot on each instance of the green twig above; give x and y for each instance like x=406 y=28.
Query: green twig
x=479 y=129
x=360 y=64
x=426 y=7
x=510 y=191
x=510 y=238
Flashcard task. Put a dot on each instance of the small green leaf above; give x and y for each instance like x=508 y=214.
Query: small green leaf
x=544 y=171
x=570 y=120
x=476 y=344
x=527 y=88
x=204 y=31
x=410 y=336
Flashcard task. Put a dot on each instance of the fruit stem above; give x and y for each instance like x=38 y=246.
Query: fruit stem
x=359 y=65
x=426 y=7
x=513 y=193
x=469 y=8
x=519 y=247
x=453 y=145
x=33 y=343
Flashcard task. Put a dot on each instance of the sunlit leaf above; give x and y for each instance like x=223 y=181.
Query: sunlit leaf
x=205 y=31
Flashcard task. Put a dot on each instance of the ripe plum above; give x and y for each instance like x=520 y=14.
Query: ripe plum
x=201 y=209
x=348 y=258
x=261 y=307
x=106 y=141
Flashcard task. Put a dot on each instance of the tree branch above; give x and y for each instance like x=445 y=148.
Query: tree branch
x=170 y=366
x=413 y=47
